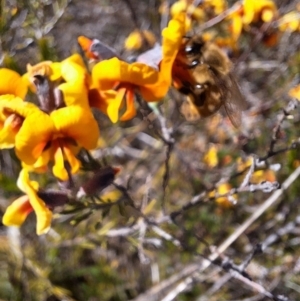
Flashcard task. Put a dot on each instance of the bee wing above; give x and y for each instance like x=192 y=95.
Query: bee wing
x=234 y=113
x=232 y=98
x=236 y=94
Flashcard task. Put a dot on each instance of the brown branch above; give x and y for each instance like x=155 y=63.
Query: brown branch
x=276 y=130
x=157 y=292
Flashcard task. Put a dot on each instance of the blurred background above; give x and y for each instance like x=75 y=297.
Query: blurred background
x=147 y=236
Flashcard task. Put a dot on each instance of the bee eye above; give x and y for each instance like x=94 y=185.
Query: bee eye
x=194 y=63
x=198 y=86
x=189 y=49
x=194 y=48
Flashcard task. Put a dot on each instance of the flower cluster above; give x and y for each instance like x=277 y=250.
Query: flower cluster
x=249 y=16
x=53 y=131
x=115 y=82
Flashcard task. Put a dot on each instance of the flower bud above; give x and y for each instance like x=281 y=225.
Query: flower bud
x=53 y=198
x=100 y=180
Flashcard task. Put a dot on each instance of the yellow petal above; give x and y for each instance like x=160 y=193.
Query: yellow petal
x=56 y=71
x=267 y=15
x=75 y=122
x=254 y=11
x=295 y=92
x=70 y=157
x=12 y=83
x=77 y=81
x=85 y=43
x=77 y=59
x=153 y=84
x=172 y=39
x=106 y=73
x=130 y=108
x=178 y=7
x=237 y=26
x=59 y=166
x=40 y=166
x=10 y=104
x=135 y=39
x=43 y=69
x=258 y=176
x=43 y=214
x=100 y=99
x=28 y=83
x=29 y=143
x=242 y=165
x=289 y=21
x=8 y=133
x=75 y=93
x=72 y=70
x=13 y=110
x=17 y=212
x=211 y=157
x=114 y=105
x=249 y=11
x=225 y=202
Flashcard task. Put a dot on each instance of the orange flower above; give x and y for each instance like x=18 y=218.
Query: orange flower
x=17 y=212
x=76 y=81
x=211 y=156
x=290 y=22
x=95 y=49
x=86 y=43
x=10 y=120
x=259 y=10
x=125 y=78
x=258 y=176
x=252 y=11
x=138 y=38
x=263 y=175
x=236 y=18
x=295 y=92
x=39 y=137
x=218 y=5
x=58 y=84
x=192 y=12
x=59 y=139
x=224 y=201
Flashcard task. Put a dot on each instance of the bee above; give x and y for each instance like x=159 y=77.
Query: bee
x=202 y=72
